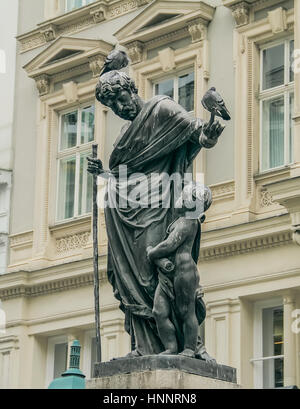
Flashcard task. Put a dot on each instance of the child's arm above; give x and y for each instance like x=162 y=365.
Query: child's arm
x=168 y=246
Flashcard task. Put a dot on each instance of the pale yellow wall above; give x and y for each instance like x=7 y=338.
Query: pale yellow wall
x=247 y=250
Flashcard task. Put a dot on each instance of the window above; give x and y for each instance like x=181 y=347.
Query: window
x=76 y=4
x=277 y=105
x=268 y=346
x=90 y=353
x=74 y=193
x=56 y=358
x=181 y=88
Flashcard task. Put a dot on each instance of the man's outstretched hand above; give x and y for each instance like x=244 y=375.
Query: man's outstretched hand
x=95 y=166
x=211 y=133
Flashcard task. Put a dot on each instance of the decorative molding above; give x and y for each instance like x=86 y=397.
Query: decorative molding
x=99 y=14
x=273 y=277
x=75 y=21
x=51 y=286
x=49 y=32
x=246 y=246
x=224 y=190
x=185 y=19
x=166 y=38
x=72 y=242
x=266 y=199
x=240 y=13
x=278 y=20
x=71 y=91
x=8 y=343
x=42 y=84
x=135 y=51
x=198 y=29
x=21 y=239
x=63 y=58
x=167 y=59
x=287 y=193
x=96 y=63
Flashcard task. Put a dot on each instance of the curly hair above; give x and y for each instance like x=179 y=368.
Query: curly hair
x=198 y=192
x=111 y=83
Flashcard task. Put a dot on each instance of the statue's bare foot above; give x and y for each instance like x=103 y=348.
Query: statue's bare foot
x=168 y=352
x=188 y=352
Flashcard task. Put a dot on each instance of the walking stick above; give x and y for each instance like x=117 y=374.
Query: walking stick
x=96 y=271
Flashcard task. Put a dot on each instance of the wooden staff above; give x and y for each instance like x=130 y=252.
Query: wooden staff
x=96 y=270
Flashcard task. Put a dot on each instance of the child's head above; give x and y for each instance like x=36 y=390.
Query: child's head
x=194 y=200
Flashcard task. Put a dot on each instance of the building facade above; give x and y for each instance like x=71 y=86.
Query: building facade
x=7 y=83
x=249 y=260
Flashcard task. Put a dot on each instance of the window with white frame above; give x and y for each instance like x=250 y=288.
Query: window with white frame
x=57 y=356
x=74 y=192
x=76 y=4
x=268 y=358
x=276 y=105
x=90 y=353
x=180 y=87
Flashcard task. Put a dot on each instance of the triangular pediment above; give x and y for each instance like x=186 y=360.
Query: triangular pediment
x=163 y=16
x=159 y=19
x=65 y=52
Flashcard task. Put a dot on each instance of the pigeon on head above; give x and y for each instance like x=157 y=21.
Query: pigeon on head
x=116 y=60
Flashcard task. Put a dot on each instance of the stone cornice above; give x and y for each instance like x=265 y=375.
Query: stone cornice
x=241 y=10
x=65 y=55
x=253 y=280
x=245 y=238
x=223 y=190
x=287 y=194
x=49 y=280
x=76 y=20
x=188 y=18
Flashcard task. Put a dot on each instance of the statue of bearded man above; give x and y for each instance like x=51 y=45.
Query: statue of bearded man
x=162 y=139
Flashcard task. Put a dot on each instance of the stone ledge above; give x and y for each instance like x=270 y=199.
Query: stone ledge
x=172 y=379
x=165 y=363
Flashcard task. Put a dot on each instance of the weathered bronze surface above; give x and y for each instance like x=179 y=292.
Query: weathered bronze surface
x=153 y=251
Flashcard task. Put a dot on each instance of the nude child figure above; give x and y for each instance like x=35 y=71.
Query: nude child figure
x=178 y=273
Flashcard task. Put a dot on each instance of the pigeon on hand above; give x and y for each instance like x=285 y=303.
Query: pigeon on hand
x=116 y=60
x=213 y=102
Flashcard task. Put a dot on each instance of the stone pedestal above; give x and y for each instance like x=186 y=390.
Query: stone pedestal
x=162 y=372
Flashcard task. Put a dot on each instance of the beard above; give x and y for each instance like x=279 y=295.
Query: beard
x=131 y=110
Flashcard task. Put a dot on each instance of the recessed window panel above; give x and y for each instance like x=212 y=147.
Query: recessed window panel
x=68 y=130
x=292 y=46
x=87 y=124
x=273 y=66
x=272 y=325
x=291 y=128
x=273 y=133
x=165 y=88
x=85 y=186
x=186 y=91
x=66 y=190
x=60 y=359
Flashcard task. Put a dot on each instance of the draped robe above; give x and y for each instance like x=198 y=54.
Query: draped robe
x=162 y=139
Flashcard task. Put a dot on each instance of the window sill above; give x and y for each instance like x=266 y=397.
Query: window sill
x=280 y=173
x=71 y=226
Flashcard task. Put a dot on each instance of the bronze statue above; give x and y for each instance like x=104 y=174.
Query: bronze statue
x=159 y=139
x=175 y=300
